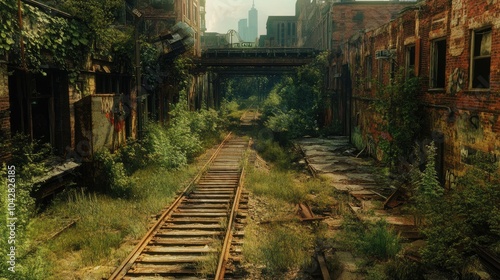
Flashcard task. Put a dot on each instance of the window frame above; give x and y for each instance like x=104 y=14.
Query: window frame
x=474 y=58
x=368 y=71
x=434 y=72
x=409 y=67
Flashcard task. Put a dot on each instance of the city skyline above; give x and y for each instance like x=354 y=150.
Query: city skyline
x=224 y=15
x=248 y=27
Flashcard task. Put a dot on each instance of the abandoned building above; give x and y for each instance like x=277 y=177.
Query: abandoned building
x=99 y=105
x=451 y=47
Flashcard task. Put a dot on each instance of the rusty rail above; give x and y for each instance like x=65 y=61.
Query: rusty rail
x=185 y=233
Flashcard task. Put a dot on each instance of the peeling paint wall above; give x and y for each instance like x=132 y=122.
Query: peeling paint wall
x=100 y=123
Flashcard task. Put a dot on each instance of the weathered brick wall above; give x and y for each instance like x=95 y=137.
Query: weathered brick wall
x=350 y=18
x=466 y=121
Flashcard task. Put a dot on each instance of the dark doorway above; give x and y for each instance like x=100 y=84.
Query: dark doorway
x=40 y=107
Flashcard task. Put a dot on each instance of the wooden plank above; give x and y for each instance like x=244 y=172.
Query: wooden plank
x=143 y=258
x=324 y=268
x=187 y=233
x=181 y=241
x=179 y=249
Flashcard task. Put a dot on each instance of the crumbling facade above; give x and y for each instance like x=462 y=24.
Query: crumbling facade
x=451 y=47
x=97 y=106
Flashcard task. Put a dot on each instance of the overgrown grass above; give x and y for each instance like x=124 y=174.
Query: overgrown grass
x=279 y=244
x=276 y=184
x=279 y=248
x=208 y=266
x=282 y=157
x=104 y=222
x=372 y=240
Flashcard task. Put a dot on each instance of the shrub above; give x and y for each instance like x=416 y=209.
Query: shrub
x=373 y=240
x=379 y=241
x=134 y=155
x=110 y=175
x=295 y=123
x=160 y=149
x=456 y=220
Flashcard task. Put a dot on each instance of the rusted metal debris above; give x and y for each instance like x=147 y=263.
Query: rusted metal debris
x=397 y=198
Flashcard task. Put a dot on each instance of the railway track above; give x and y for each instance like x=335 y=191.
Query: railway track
x=249 y=117
x=200 y=229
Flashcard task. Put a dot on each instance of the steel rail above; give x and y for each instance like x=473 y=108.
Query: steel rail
x=221 y=267
x=120 y=272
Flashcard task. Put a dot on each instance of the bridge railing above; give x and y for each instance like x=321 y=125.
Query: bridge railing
x=260 y=52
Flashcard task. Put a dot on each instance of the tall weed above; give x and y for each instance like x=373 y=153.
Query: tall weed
x=279 y=249
x=373 y=240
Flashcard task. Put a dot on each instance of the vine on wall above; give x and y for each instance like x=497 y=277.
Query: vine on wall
x=397 y=104
x=46 y=39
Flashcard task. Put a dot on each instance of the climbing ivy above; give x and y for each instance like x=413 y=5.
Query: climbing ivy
x=7 y=25
x=397 y=105
x=53 y=39
x=47 y=39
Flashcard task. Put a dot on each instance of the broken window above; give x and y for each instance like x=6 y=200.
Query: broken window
x=410 y=61
x=438 y=64
x=368 y=71
x=380 y=74
x=481 y=58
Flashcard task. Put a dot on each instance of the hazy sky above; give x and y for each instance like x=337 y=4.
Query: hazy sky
x=223 y=15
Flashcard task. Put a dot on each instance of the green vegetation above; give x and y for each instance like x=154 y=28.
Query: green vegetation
x=373 y=240
x=398 y=106
x=124 y=189
x=50 y=40
x=103 y=224
x=276 y=184
x=280 y=245
x=295 y=105
x=455 y=221
x=280 y=248
x=16 y=188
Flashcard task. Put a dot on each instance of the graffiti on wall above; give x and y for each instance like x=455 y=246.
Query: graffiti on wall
x=456 y=81
x=111 y=106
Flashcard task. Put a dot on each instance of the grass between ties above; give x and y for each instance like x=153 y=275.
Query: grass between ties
x=95 y=245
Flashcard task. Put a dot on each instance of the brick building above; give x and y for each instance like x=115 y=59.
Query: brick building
x=326 y=25
x=452 y=47
x=97 y=107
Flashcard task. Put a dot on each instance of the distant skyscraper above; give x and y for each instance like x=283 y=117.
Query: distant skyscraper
x=243 y=29
x=253 y=23
x=248 y=29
